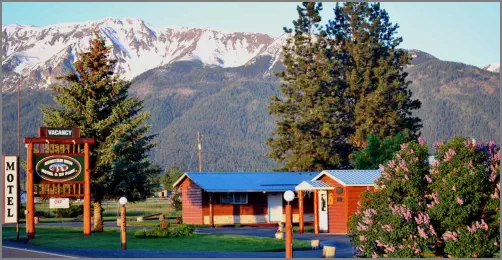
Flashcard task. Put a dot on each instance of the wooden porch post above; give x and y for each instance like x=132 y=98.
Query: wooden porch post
x=300 y=205
x=87 y=192
x=30 y=198
x=211 y=211
x=316 y=212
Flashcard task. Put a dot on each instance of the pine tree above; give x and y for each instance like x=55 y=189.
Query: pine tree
x=376 y=86
x=311 y=125
x=377 y=151
x=96 y=100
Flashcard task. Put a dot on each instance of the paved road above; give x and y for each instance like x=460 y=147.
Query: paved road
x=45 y=252
x=23 y=252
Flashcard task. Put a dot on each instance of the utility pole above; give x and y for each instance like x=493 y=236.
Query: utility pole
x=18 y=153
x=199 y=146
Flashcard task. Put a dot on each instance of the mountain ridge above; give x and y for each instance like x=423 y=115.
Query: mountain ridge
x=36 y=55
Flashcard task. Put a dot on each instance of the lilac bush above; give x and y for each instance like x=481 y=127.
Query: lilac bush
x=464 y=198
x=448 y=209
x=393 y=221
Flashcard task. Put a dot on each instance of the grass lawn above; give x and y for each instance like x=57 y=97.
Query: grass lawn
x=67 y=237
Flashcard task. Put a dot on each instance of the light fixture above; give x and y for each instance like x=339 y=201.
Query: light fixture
x=123 y=201
x=289 y=196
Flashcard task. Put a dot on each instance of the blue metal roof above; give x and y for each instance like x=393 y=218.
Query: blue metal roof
x=353 y=177
x=249 y=181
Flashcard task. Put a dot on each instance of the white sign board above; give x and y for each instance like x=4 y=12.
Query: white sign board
x=59 y=203
x=10 y=192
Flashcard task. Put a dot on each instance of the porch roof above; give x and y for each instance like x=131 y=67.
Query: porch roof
x=352 y=177
x=313 y=185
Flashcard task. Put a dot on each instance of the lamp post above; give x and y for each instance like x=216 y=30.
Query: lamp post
x=123 y=234
x=289 y=196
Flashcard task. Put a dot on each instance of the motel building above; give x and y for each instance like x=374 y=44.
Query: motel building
x=324 y=200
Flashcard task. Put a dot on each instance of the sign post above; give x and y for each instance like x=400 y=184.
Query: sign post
x=58 y=165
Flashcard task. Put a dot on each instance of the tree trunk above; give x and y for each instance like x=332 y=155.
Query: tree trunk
x=98 y=217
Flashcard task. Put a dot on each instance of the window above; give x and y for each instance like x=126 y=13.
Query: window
x=234 y=198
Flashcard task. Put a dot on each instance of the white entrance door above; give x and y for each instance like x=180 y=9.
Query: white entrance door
x=274 y=207
x=323 y=210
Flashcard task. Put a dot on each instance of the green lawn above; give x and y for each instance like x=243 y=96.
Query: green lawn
x=66 y=237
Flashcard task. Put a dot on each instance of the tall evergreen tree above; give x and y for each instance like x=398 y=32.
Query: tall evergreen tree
x=311 y=128
x=376 y=86
x=96 y=100
x=377 y=152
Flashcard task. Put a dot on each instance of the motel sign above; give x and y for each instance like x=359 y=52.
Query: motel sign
x=10 y=189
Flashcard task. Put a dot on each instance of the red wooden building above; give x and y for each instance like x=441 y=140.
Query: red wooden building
x=225 y=198
x=325 y=199
x=336 y=193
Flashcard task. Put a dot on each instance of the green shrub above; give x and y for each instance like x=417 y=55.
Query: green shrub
x=180 y=231
x=140 y=233
x=72 y=212
x=185 y=230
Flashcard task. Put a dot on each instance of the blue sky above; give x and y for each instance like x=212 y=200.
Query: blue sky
x=463 y=32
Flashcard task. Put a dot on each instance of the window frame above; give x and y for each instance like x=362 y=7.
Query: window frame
x=233 y=195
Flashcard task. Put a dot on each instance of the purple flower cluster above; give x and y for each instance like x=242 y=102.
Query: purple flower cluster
x=422 y=233
x=449 y=155
x=367 y=219
x=477 y=225
x=421 y=141
x=387 y=248
x=435 y=197
x=495 y=194
x=490 y=148
x=387 y=228
x=422 y=218
x=438 y=144
x=402 y=211
x=450 y=236
x=403 y=166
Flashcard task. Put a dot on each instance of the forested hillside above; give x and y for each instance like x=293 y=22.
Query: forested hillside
x=457 y=99
x=229 y=107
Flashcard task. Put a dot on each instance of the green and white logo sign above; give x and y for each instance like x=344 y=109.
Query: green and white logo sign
x=59 y=168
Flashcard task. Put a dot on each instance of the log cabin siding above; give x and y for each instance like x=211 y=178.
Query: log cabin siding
x=257 y=205
x=191 y=197
x=355 y=193
x=337 y=213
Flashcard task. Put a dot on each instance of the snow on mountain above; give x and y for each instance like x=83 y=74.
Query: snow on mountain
x=493 y=67
x=36 y=55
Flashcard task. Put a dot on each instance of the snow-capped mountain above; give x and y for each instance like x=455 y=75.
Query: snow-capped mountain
x=493 y=67
x=35 y=56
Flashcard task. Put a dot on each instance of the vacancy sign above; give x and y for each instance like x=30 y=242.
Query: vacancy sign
x=10 y=184
x=59 y=203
